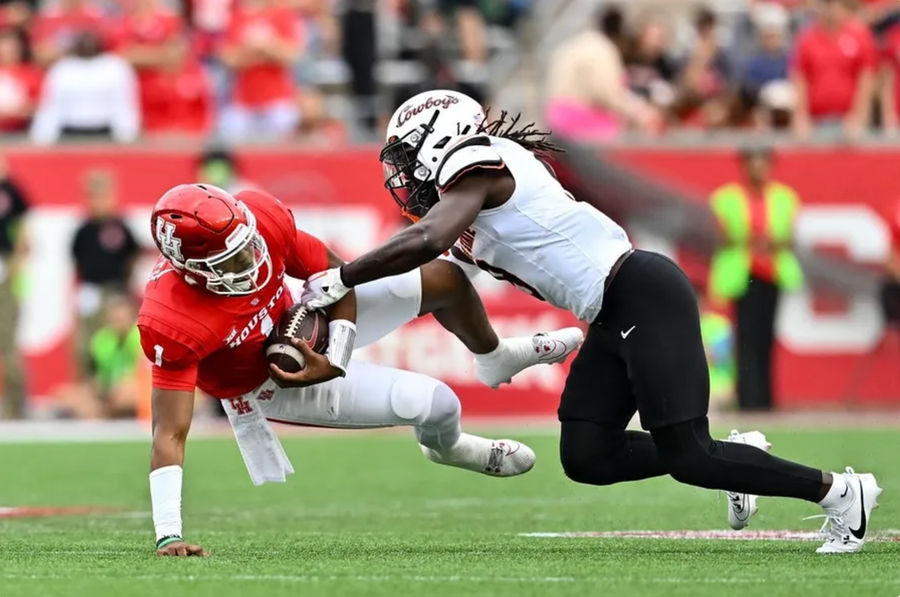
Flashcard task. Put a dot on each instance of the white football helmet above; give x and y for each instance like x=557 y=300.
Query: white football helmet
x=419 y=132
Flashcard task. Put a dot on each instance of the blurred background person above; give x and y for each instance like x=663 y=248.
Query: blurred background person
x=17 y=13
x=111 y=389
x=704 y=94
x=263 y=43
x=765 y=67
x=588 y=95
x=104 y=251
x=13 y=207
x=833 y=72
x=176 y=95
x=61 y=23
x=218 y=166
x=360 y=53
x=651 y=72
x=754 y=263
x=89 y=93
x=20 y=81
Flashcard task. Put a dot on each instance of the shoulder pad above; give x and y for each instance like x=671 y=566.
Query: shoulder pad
x=469 y=154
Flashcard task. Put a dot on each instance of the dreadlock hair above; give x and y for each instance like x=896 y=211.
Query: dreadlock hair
x=528 y=136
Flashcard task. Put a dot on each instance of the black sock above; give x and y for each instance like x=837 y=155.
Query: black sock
x=692 y=456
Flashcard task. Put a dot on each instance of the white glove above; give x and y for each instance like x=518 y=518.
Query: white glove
x=323 y=289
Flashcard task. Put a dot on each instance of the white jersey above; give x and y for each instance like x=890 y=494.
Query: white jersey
x=541 y=239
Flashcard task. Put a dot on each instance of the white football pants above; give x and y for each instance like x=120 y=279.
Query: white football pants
x=372 y=395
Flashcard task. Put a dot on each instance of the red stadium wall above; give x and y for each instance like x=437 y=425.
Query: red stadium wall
x=830 y=352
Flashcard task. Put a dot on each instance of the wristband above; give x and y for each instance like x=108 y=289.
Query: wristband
x=341 y=334
x=163 y=541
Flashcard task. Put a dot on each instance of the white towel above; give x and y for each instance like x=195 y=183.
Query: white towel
x=260 y=448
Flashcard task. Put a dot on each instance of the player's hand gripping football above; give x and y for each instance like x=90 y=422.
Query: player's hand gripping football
x=182 y=549
x=318 y=369
x=323 y=289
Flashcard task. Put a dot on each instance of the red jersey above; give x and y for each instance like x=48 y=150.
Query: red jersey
x=178 y=102
x=20 y=87
x=263 y=82
x=831 y=62
x=199 y=339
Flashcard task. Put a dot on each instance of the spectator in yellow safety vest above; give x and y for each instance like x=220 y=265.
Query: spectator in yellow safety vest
x=753 y=264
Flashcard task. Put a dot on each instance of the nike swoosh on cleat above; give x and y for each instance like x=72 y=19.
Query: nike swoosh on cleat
x=846 y=489
x=861 y=531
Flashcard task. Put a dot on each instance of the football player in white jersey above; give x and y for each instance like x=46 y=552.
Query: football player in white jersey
x=483 y=189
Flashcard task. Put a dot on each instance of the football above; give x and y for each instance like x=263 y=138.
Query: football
x=310 y=325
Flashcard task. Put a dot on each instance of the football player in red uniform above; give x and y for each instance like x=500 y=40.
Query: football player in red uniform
x=216 y=293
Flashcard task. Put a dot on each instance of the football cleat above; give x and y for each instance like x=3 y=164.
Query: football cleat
x=846 y=523
x=516 y=354
x=742 y=506
x=497 y=458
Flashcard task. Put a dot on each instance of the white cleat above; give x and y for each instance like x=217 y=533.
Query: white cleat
x=515 y=354
x=742 y=506
x=846 y=523
x=497 y=458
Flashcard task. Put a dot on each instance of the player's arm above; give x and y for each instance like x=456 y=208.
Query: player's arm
x=428 y=238
x=172 y=412
x=172 y=403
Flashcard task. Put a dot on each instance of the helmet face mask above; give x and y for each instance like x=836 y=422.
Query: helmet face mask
x=410 y=182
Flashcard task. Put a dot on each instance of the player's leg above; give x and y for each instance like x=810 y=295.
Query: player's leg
x=450 y=297
x=595 y=407
x=376 y=396
x=667 y=367
x=442 y=289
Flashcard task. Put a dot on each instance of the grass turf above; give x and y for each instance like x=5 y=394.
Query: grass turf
x=366 y=515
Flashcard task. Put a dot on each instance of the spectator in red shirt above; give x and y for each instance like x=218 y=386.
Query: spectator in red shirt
x=20 y=81
x=176 y=96
x=833 y=71
x=263 y=42
x=889 y=85
x=57 y=27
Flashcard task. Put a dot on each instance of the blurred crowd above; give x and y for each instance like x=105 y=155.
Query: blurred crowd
x=239 y=70
x=824 y=67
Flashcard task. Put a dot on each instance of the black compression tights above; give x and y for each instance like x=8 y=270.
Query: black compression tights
x=600 y=455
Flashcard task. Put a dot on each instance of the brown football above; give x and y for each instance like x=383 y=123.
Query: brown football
x=297 y=322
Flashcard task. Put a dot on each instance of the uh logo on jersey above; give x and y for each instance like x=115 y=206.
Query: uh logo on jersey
x=262 y=318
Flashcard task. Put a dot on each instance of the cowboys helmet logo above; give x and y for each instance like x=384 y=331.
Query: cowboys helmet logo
x=168 y=243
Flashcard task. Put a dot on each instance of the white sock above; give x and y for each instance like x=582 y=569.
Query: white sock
x=494 y=354
x=838 y=488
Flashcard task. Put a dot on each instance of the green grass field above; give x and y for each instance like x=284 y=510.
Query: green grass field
x=365 y=514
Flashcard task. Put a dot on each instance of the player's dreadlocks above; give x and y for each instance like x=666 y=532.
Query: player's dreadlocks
x=528 y=136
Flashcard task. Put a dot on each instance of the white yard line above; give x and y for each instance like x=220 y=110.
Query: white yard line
x=884 y=535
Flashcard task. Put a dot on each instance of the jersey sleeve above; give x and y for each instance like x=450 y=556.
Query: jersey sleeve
x=175 y=365
x=469 y=154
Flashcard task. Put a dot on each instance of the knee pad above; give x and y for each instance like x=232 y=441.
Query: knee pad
x=418 y=399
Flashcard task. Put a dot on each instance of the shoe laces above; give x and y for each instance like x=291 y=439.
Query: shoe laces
x=541 y=341
x=495 y=458
x=834 y=528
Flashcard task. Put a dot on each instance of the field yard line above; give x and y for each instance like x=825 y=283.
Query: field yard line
x=315 y=578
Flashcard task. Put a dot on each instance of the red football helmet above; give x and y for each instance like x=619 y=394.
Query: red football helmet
x=209 y=236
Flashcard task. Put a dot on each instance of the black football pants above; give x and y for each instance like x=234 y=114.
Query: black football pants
x=644 y=353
